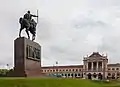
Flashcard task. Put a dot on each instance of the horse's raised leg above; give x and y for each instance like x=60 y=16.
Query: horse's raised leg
x=20 y=32
x=27 y=33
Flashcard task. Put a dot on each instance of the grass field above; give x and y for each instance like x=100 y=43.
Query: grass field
x=54 y=82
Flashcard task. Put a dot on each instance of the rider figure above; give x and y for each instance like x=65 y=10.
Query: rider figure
x=29 y=16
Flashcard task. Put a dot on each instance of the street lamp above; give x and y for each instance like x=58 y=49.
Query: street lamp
x=7 y=66
x=56 y=68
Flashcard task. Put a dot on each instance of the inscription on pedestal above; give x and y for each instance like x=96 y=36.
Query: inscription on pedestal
x=32 y=53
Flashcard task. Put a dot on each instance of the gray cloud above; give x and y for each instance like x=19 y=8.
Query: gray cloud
x=67 y=29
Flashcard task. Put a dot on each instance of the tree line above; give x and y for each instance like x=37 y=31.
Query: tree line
x=4 y=72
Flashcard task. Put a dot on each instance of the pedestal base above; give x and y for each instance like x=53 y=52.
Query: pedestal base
x=27 y=58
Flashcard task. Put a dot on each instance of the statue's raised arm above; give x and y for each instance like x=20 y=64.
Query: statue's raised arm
x=34 y=15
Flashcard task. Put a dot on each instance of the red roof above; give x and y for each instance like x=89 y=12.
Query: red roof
x=69 y=66
x=114 y=65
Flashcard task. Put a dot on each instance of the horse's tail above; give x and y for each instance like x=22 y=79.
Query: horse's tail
x=20 y=20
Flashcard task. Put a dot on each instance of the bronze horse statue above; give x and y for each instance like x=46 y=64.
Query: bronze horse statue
x=29 y=27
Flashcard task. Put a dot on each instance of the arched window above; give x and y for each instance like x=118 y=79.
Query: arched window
x=79 y=74
x=68 y=74
x=65 y=74
x=113 y=68
x=117 y=68
x=109 y=74
x=118 y=74
x=75 y=74
x=62 y=74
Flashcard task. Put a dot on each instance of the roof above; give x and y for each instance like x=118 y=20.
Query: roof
x=114 y=65
x=95 y=54
x=69 y=66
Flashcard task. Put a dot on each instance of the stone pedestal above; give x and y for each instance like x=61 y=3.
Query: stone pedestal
x=27 y=58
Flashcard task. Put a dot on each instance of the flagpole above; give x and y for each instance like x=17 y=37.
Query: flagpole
x=37 y=15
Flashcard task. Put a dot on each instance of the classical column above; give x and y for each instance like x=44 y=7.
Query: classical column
x=87 y=66
x=102 y=65
x=97 y=66
x=92 y=66
x=104 y=69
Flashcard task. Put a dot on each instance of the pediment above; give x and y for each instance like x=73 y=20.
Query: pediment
x=95 y=55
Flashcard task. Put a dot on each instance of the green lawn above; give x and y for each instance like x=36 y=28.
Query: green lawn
x=53 y=82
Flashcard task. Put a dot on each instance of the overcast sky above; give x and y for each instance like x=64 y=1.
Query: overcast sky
x=67 y=29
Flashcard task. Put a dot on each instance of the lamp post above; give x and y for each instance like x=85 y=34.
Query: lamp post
x=56 y=68
x=7 y=66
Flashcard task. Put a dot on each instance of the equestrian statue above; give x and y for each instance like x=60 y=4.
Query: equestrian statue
x=29 y=24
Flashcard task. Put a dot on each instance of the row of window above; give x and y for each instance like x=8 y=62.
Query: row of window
x=113 y=74
x=113 y=68
x=69 y=74
x=61 y=70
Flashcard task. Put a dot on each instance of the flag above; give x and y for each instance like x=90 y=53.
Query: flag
x=7 y=64
x=56 y=62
